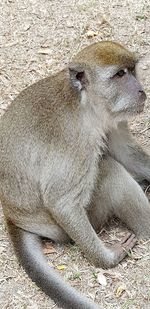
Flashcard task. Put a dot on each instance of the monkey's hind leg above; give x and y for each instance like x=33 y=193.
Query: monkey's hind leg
x=124 y=197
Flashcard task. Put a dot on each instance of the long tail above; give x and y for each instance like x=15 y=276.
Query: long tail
x=28 y=248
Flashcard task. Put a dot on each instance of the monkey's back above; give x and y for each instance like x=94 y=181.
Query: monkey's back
x=40 y=143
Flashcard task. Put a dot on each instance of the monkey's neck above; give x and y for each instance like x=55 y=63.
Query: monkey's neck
x=95 y=131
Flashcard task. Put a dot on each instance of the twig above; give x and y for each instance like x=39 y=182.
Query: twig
x=146 y=129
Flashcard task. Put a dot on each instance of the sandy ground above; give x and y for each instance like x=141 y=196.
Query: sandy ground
x=38 y=38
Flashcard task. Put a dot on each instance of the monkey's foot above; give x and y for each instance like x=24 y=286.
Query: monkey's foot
x=123 y=248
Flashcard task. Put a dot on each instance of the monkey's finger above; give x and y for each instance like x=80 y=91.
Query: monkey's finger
x=127 y=237
x=130 y=243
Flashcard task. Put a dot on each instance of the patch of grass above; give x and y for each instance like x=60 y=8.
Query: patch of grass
x=75 y=276
x=128 y=303
x=85 y=6
x=148 y=294
x=141 y=17
x=94 y=275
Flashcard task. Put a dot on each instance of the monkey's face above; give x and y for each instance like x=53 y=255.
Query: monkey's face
x=106 y=72
x=119 y=90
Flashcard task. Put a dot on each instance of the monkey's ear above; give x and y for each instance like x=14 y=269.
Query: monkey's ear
x=78 y=76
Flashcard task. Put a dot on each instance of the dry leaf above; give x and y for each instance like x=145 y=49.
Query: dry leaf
x=48 y=249
x=101 y=279
x=120 y=290
x=113 y=274
x=45 y=51
x=61 y=267
x=26 y=26
x=2 y=249
x=91 y=33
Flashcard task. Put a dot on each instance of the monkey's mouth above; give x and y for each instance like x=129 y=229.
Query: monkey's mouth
x=136 y=110
x=140 y=108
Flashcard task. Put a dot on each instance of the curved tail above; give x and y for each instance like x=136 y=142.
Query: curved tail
x=29 y=251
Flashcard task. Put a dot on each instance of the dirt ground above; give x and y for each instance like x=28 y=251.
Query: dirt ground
x=37 y=38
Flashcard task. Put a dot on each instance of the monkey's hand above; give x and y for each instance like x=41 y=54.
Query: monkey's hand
x=123 y=248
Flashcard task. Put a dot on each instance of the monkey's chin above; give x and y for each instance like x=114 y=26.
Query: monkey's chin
x=128 y=113
x=136 y=110
x=139 y=109
x=142 y=108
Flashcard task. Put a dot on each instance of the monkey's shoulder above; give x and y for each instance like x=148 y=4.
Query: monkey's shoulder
x=45 y=103
x=52 y=93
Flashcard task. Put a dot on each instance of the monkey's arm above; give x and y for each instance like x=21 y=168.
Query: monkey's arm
x=74 y=220
x=126 y=151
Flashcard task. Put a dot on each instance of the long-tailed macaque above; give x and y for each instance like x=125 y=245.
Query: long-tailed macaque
x=68 y=163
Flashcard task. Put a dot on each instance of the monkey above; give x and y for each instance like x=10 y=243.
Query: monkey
x=68 y=163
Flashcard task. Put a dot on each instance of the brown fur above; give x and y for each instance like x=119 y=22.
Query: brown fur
x=116 y=54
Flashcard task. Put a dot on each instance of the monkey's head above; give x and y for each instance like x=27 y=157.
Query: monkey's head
x=105 y=72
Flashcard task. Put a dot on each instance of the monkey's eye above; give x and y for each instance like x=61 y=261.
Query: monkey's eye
x=120 y=73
